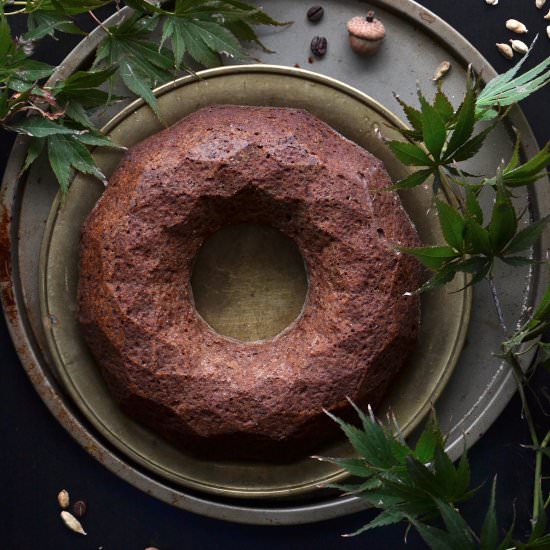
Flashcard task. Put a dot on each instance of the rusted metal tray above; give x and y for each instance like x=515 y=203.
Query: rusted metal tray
x=480 y=386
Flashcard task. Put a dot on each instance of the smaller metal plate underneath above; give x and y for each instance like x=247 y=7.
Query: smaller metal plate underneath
x=249 y=282
x=445 y=314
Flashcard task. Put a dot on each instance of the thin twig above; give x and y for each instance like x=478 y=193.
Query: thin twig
x=99 y=22
x=537 y=489
x=451 y=194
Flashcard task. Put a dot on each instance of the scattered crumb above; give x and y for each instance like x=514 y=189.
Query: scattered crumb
x=297 y=65
x=310 y=59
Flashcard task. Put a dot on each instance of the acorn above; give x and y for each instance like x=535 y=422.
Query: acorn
x=365 y=34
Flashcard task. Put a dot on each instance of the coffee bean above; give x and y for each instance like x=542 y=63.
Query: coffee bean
x=79 y=508
x=319 y=46
x=315 y=14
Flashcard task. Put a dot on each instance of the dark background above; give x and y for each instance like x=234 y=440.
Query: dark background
x=38 y=458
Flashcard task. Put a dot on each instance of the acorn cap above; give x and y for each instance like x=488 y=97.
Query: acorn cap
x=367 y=28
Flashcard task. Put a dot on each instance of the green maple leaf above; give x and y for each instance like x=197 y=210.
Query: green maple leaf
x=64 y=7
x=508 y=88
x=142 y=64
x=41 y=24
x=66 y=154
x=17 y=71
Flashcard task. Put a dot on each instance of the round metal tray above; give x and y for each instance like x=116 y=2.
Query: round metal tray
x=480 y=386
x=445 y=312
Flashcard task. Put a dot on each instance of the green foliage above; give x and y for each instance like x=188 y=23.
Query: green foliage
x=40 y=127
x=405 y=482
x=202 y=40
x=515 y=174
x=17 y=71
x=65 y=153
x=421 y=486
x=66 y=141
x=202 y=29
x=199 y=30
x=508 y=88
x=142 y=64
x=440 y=137
x=80 y=93
x=455 y=536
x=42 y=23
x=64 y=7
x=533 y=328
x=206 y=29
x=489 y=532
x=473 y=248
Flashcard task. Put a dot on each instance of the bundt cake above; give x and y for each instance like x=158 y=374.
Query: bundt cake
x=168 y=369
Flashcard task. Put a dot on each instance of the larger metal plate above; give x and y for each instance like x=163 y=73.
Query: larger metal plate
x=480 y=386
x=444 y=314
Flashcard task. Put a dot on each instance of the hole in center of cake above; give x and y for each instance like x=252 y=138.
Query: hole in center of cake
x=249 y=282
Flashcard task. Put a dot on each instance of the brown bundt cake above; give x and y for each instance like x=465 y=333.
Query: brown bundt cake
x=167 y=368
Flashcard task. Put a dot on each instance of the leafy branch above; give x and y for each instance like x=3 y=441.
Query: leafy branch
x=58 y=117
x=442 y=136
x=439 y=139
x=472 y=247
x=420 y=485
x=423 y=488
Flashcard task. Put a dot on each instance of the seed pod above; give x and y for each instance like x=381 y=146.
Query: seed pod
x=72 y=523
x=516 y=26
x=540 y=4
x=548 y=31
x=505 y=50
x=547 y=16
x=443 y=68
x=491 y=2
x=519 y=46
x=63 y=498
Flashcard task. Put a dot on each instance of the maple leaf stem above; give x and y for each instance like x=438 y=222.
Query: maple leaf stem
x=537 y=489
x=99 y=22
x=450 y=192
x=538 y=479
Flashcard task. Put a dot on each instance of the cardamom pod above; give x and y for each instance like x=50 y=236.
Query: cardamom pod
x=491 y=2
x=505 y=50
x=516 y=26
x=63 y=498
x=540 y=3
x=72 y=523
x=443 y=68
x=548 y=31
x=519 y=46
x=547 y=16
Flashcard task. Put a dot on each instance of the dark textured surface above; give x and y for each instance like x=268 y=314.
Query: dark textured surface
x=38 y=458
x=228 y=165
